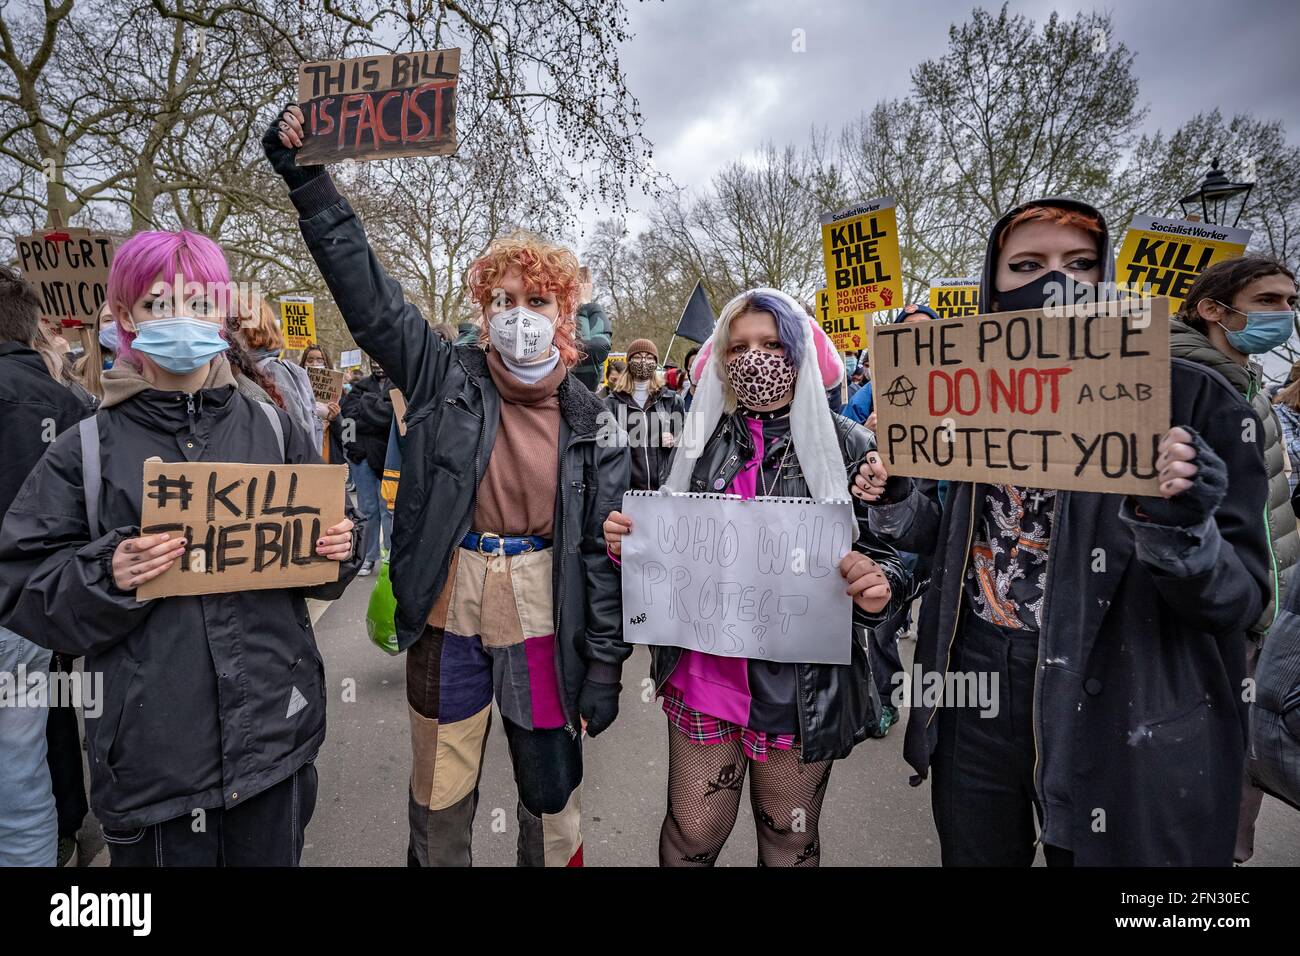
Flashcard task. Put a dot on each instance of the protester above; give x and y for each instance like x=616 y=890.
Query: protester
x=214 y=705
x=259 y=331
x=1116 y=625
x=502 y=472
x=615 y=369
x=368 y=414
x=315 y=356
x=1286 y=405
x=650 y=414
x=34 y=408
x=1236 y=309
x=593 y=338
x=785 y=723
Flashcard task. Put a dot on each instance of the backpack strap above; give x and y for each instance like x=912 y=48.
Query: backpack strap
x=91 y=478
x=276 y=425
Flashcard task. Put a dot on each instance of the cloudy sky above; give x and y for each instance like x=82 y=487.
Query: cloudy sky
x=716 y=78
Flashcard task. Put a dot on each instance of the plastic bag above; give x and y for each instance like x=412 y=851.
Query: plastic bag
x=379 y=614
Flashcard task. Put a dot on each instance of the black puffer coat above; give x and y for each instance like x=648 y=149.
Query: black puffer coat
x=199 y=706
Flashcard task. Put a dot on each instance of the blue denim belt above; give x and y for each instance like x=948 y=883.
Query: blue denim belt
x=485 y=542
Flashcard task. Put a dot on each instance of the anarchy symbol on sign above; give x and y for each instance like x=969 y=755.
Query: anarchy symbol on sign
x=901 y=392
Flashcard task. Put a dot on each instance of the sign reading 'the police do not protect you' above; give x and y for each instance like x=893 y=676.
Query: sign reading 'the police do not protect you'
x=1075 y=398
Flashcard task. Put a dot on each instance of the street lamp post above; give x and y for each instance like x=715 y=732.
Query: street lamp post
x=1217 y=198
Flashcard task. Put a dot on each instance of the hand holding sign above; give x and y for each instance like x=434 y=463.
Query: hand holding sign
x=137 y=560
x=616 y=525
x=868 y=585
x=336 y=543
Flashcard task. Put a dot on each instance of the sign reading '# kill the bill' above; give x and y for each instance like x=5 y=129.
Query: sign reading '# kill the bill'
x=1074 y=398
x=377 y=107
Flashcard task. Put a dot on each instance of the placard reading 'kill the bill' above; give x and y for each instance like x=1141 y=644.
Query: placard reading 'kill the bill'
x=248 y=526
x=735 y=578
x=1073 y=399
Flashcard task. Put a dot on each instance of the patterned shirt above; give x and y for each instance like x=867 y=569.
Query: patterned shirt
x=1008 y=556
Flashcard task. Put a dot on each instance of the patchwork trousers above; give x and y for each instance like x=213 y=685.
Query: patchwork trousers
x=491 y=634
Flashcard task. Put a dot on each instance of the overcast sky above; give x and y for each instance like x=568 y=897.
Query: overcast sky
x=716 y=78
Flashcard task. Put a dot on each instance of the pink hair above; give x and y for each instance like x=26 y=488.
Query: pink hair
x=146 y=256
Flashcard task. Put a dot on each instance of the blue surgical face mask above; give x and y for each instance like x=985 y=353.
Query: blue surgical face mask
x=1264 y=331
x=850 y=364
x=180 y=345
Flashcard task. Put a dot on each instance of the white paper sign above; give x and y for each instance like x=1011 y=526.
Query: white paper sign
x=735 y=578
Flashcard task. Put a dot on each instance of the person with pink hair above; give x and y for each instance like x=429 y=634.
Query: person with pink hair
x=214 y=704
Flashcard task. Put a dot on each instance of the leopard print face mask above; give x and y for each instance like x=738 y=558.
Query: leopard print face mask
x=760 y=378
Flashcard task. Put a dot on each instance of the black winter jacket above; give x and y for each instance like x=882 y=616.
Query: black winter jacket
x=370 y=411
x=197 y=689
x=34 y=410
x=837 y=704
x=645 y=427
x=1138 y=706
x=453 y=410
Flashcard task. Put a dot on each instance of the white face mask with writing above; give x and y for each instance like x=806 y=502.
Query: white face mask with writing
x=521 y=334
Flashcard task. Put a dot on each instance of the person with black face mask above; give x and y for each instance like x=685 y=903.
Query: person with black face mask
x=1115 y=624
x=648 y=412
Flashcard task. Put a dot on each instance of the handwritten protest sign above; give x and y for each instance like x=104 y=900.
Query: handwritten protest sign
x=298 y=320
x=1164 y=256
x=1069 y=398
x=248 y=526
x=860 y=249
x=69 y=269
x=952 y=297
x=378 y=107
x=326 y=384
x=737 y=578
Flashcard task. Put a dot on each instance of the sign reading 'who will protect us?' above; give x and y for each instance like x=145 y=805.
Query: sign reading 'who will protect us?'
x=1074 y=399
x=248 y=526
x=377 y=107
x=860 y=250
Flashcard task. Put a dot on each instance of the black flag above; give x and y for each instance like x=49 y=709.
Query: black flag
x=697 y=318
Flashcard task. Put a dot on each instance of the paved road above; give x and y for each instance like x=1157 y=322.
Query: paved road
x=871 y=815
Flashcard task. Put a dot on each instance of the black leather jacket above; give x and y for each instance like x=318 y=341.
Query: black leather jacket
x=453 y=410
x=837 y=703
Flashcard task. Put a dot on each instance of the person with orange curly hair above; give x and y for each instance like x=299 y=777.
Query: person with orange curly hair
x=498 y=565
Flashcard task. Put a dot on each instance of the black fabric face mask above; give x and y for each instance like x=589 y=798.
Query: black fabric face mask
x=1058 y=287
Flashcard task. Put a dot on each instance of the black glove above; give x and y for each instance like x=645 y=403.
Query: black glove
x=281 y=157
x=1193 y=506
x=598 y=703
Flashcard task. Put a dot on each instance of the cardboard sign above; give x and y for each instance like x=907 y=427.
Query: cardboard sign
x=1164 y=256
x=848 y=332
x=350 y=359
x=69 y=269
x=1074 y=398
x=735 y=578
x=377 y=107
x=326 y=384
x=248 y=526
x=954 y=297
x=860 y=249
x=298 y=320
x=399 y=409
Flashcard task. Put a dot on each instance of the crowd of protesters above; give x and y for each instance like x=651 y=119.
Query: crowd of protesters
x=1146 y=704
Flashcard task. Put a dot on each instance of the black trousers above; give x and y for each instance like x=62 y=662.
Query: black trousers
x=63 y=754
x=983 y=794
x=266 y=831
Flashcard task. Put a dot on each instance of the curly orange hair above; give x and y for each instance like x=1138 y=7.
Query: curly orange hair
x=545 y=268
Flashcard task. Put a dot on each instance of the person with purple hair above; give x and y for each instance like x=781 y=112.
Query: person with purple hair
x=761 y=425
x=213 y=704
